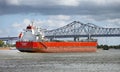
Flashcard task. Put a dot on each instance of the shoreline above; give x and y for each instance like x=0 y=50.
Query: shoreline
x=5 y=48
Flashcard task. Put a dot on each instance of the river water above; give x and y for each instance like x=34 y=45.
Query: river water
x=100 y=61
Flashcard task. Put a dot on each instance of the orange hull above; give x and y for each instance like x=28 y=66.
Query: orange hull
x=56 y=47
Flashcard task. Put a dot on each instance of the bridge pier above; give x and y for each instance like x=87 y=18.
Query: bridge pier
x=51 y=39
x=76 y=38
x=89 y=37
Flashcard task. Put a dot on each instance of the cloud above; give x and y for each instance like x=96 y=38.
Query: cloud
x=12 y=2
x=97 y=8
x=113 y=23
x=68 y=3
x=60 y=17
x=52 y=22
x=91 y=10
x=61 y=7
x=4 y=32
x=0 y=31
x=18 y=27
x=43 y=2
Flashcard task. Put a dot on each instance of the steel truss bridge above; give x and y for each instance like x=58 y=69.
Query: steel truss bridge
x=78 y=29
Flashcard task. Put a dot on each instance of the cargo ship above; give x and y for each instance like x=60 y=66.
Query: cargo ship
x=33 y=40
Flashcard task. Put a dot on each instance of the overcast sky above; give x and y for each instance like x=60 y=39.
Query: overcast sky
x=50 y=14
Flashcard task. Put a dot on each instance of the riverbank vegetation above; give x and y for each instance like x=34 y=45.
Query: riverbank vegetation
x=106 y=47
x=3 y=45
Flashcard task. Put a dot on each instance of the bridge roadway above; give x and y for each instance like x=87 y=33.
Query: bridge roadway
x=63 y=36
x=72 y=36
x=8 y=38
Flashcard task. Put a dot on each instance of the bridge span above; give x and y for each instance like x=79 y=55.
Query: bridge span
x=77 y=29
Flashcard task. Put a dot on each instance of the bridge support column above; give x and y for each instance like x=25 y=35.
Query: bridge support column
x=89 y=36
x=51 y=39
x=76 y=38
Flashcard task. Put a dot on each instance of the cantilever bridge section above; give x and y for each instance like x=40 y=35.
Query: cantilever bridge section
x=78 y=29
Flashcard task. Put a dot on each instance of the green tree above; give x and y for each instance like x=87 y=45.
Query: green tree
x=1 y=43
x=105 y=47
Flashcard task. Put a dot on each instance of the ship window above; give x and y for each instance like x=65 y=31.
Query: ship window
x=29 y=27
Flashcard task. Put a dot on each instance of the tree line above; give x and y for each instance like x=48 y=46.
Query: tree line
x=2 y=44
x=106 y=47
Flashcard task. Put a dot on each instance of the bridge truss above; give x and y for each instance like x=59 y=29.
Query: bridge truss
x=78 y=29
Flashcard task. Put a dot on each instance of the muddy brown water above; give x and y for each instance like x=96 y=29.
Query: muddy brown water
x=100 y=61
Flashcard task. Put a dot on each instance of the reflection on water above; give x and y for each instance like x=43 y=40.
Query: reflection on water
x=101 y=61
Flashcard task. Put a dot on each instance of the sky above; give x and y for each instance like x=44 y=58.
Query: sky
x=15 y=15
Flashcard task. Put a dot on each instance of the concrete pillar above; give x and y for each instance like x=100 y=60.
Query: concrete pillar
x=51 y=39
x=89 y=36
x=76 y=38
